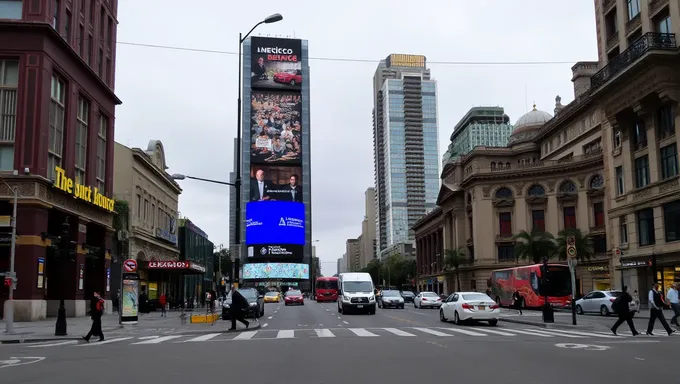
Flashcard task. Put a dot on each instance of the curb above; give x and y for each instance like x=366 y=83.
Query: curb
x=547 y=325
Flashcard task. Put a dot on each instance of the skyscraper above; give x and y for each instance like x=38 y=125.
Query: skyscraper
x=487 y=126
x=405 y=147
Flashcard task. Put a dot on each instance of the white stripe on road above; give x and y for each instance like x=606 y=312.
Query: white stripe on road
x=530 y=333
x=203 y=337
x=147 y=337
x=344 y=321
x=265 y=325
x=286 y=334
x=324 y=333
x=586 y=334
x=463 y=331
x=432 y=332
x=269 y=318
x=54 y=344
x=398 y=332
x=502 y=333
x=105 y=341
x=245 y=335
x=361 y=332
x=555 y=334
x=157 y=340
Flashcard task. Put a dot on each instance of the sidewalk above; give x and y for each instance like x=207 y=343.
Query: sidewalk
x=149 y=324
x=563 y=319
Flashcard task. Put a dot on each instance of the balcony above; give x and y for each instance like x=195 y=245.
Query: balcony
x=646 y=43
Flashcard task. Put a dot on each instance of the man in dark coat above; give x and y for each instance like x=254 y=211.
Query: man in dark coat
x=623 y=311
x=238 y=308
x=96 y=312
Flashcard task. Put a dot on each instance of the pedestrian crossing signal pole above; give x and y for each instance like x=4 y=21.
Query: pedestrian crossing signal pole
x=571 y=260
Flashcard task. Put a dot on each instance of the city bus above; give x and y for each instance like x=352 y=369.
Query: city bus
x=326 y=289
x=528 y=280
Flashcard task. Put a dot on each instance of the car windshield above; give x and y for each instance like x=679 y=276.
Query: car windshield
x=407 y=293
x=476 y=297
x=357 y=286
x=391 y=294
x=294 y=293
x=270 y=294
x=248 y=293
x=429 y=294
x=615 y=293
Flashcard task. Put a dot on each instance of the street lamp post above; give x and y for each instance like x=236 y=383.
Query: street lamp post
x=60 y=326
x=9 y=312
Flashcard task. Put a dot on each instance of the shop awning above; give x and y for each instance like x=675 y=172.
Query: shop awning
x=180 y=267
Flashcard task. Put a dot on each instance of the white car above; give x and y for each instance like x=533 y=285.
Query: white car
x=601 y=302
x=427 y=300
x=470 y=306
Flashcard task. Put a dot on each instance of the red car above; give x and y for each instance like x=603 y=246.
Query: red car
x=290 y=77
x=294 y=297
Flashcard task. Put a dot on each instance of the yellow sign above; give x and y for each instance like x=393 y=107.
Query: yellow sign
x=397 y=60
x=82 y=192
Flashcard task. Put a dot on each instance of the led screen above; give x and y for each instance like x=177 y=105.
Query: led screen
x=275 y=222
x=275 y=271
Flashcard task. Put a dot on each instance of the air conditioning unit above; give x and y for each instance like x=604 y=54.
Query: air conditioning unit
x=123 y=235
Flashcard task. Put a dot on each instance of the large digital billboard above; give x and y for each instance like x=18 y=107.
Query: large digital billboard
x=277 y=63
x=273 y=183
x=275 y=271
x=275 y=222
x=275 y=130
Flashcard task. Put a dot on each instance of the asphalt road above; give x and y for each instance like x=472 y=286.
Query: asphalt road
x=314 y=344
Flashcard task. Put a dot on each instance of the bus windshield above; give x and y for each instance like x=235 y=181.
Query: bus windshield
x=327 y=284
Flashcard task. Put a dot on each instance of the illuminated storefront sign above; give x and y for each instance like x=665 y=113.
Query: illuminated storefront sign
x=82 y=192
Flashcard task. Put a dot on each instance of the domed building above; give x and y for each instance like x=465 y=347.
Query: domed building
x=548 y=178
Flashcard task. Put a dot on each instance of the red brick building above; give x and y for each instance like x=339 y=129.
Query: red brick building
x=57 y=108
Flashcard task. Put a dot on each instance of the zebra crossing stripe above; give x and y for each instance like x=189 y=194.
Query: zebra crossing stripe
x=245 y=335
x=531 y=333
x=587 y=334
x=502 y=333
x=158 y=340
x=463 y=331
x=285 y=334
x=108 y=341
x=432 y=332
x=398 y=332
x=361 y=332
x=324 y=333
x=53 y=344
x=551 y=333
x=203 y=337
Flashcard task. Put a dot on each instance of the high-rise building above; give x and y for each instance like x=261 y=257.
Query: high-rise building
x=405 y=147
x=342 y=265
x=368 y=238
x=352 y=250
x=481 y=126
x=57 y=107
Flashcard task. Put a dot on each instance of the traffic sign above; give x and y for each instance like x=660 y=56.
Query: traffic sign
x=571 y=252
x=130 y=265
x=571 y=241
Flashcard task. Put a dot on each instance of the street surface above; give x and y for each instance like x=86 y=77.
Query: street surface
x=313 y=344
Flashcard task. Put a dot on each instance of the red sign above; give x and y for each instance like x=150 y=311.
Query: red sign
x=169 y=264
x=130 y=266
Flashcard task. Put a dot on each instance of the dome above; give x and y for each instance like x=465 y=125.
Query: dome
x=532 y=120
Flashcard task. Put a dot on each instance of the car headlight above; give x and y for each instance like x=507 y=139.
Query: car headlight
x=253 y=304
x=371 y=298
x=345 y=298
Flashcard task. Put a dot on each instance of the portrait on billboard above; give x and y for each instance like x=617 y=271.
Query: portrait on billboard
x=275 y=131
x=276 y=63
x=275 y=183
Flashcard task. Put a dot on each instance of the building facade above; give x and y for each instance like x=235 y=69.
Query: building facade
x=57 y=107
x=368 y=235
x=341 y=265
x=140 y=178
x=353 y=253
x=405 y=147
x=481 y=126
x=197 y=251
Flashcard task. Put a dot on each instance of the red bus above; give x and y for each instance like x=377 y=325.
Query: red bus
x=326 y=289
x=528 y=281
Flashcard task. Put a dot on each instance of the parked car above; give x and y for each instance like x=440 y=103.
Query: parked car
x=601 y=302
x=255 y=301
x=427 y=300
x=470 y=306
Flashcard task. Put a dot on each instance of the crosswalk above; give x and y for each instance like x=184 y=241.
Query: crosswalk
x=321 y=333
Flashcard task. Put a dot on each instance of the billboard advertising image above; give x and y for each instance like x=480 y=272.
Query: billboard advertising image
x=277 y=63
x=275 y=271
x=275 y=129
x=275 y=222
x=271 y=183
x=279 y=251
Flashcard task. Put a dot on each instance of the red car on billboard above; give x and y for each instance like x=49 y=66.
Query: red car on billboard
x=293 y=77
x=326 y=289
x=528 y=280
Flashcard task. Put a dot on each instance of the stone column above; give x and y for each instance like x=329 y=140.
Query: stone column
x=29 y=297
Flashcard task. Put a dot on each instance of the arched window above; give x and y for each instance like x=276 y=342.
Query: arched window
x=568 y=187
x=503 y=193
x=507 y=165
x=597 y=182
x=493 y=165
x=536 y=190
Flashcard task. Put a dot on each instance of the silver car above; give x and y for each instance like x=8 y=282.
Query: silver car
x=601 y=302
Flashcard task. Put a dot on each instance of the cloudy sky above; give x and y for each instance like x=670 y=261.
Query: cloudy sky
x=187 y=99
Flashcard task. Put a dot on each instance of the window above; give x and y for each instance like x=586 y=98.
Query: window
x=568 y=187
x=83 y=120
x=108 y=79
x=663 y=25
x=100 y=63
x=538 y=220
x=88 y=50
x=139 y=206
x=596 y=182
x=503 y=193
x=80 y=43
x=101 y=153
x=620 y=185
x=611 y=24
x=506 y=253
x=93 y=4
x=645 y=224
x=10 y=9
x=671 y=220
x=9 y=81
x=642 y=171
x=102 y=26
x=633 y=9
x=599 y=244
x=505 y=223
x=109 y=39
x=67 y=26
x=598 y=214
x=593 y=147
x=639 y=135
x=56 y=131
x=146 y=209
x=153 y=215
x=617 y=139
x=569 y=214
x=665 y=121
x=82 y=6
x=536 y=190
x=623 y=230
x=669 y=161
x=55 y=14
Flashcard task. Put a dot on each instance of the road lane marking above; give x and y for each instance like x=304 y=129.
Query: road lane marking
x=245 y=335
x=269 y=318
x=556 y=334
x=147 y=337
x=203 y=337
x=324 y=333
x=502 y=333
x=418 y=313
x=361 y=332
x=345 y=322
x=285 y=334
x=157 y=340
x=463 y=331
x=530 y=333
x=54 y=344
x=265 y=325
x=398 y=332
x=587 y=334
x=432 y=331
x=105 y=341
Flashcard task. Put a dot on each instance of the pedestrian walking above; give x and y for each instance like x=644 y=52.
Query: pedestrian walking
x=517 y=301
x=163 y=301
x=238 y=308
x=96 y=312
x=656 y=311
x=622 y=308
x=674 y=300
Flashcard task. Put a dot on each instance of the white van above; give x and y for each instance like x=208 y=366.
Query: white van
x=355 y=292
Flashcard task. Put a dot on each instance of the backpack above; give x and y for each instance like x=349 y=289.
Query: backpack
x=100 y=306
x=616 y=305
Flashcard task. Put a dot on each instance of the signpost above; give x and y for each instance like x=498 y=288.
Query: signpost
x=571 y=260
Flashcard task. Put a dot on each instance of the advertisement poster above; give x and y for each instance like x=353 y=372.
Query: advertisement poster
x=41 y=272
x=130 y=294
x=275 y=132
x=276 y=271
x=80 y=276
x=275 y=222
x=271 y=183
x=279 y=251
x=276 y=63
x=108 y=279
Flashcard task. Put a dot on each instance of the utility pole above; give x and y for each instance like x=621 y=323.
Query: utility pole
x=9 y=311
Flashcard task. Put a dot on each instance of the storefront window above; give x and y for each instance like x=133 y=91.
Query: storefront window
x=153 y=291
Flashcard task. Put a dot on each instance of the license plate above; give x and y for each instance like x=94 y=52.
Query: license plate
x=360 y=306
x=481 y=307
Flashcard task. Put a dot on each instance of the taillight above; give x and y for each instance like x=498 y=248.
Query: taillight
x=612 y=300
x=424 y=299
x=467 y=306
x=494 y=306
x=439 y=299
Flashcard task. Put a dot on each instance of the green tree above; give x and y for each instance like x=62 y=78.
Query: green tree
x=373 y=268
x=453 y=258
x=222 y=258
x=534 y=246
x=584 y=244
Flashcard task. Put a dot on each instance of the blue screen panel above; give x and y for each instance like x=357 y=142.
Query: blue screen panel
x=275 y=222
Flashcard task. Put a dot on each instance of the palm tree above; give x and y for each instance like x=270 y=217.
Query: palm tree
x=453 y=259
x=584 y=244
x=534 y=246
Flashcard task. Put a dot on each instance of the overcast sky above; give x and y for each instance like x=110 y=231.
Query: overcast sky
x=187 y=100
